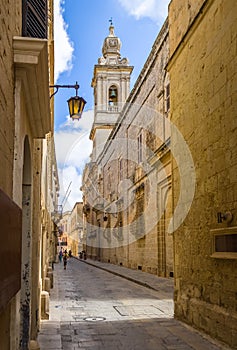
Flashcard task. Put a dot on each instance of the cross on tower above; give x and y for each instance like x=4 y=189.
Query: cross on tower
x=111 y=21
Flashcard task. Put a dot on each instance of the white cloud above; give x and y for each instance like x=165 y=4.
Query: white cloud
x=157 y=10
x=63 y=47
x=73 y=149
x=85 y=123
x=70 y=179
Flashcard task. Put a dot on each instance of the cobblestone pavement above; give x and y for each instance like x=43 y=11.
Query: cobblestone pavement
x=93 y=309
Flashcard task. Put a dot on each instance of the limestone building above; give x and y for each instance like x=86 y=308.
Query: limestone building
x=71 y=233
x=28 y=175
x=203 y=81
x=75 y=236
x=160 y=194
x=64 y=229
x=127 y=185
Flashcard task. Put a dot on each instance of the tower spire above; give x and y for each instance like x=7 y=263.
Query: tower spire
x=111 y=84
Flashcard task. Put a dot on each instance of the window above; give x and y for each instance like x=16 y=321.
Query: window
x=109 y=181
x=120 y=169
x=167 y=98
x=139 y=147
x=225 y=243
x=35 y=18
x=113 y=95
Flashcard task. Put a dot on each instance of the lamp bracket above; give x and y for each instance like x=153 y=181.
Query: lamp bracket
x=224 y=217
x=57 y=87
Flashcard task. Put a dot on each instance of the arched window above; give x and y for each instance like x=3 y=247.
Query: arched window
x=113 y=96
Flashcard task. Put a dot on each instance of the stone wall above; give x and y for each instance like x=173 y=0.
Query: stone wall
x=131 y=207
x=203 y=107
x=21 y=123
x=10 y=19
x=10 y=24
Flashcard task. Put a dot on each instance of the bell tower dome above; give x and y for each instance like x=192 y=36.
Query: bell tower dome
x=111 y=84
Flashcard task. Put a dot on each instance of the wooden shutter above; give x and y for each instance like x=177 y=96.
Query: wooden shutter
x=35 y=18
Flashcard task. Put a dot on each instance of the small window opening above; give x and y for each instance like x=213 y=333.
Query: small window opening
x=167 y=98
x=139 y=148
x=113 y=96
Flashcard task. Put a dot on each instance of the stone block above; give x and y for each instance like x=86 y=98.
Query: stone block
x=44 y=305
x=47 y=284
x=33 y=345
x=50 y=276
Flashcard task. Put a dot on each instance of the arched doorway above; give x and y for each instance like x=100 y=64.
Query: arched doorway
x=26 y=247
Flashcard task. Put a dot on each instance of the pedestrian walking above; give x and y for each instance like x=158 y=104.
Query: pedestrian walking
x=60 y=255
x=65 y=260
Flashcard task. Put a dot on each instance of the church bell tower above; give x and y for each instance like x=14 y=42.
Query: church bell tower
x=111 y=84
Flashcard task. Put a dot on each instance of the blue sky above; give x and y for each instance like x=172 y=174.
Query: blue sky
x=80 y=29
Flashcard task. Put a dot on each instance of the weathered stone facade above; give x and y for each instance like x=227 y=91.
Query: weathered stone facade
x=25 y=119
x=187 y=159
x=203 y=80
x=9 y=28
x=127 y=187
x=75 y=234
x=71 y=232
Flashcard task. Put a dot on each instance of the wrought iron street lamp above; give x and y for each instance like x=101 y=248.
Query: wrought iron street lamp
x=76 y=104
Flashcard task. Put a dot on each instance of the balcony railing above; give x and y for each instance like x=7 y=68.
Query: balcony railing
x=113 y=108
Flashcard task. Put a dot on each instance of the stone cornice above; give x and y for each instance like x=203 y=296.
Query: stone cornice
x=31 y=68
x=100 y=126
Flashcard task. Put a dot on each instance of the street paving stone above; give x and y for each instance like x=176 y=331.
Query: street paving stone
x=95 y=305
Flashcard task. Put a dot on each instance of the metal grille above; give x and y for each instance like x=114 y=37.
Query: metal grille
x=34 y=18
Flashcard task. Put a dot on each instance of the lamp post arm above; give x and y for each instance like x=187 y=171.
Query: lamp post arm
x=53 y=86
x=76 y=87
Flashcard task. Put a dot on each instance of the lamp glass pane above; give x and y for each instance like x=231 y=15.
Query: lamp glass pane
x=76 y=105
x=70 y=106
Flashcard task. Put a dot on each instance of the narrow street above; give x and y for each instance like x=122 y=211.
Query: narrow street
x=91 y=308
